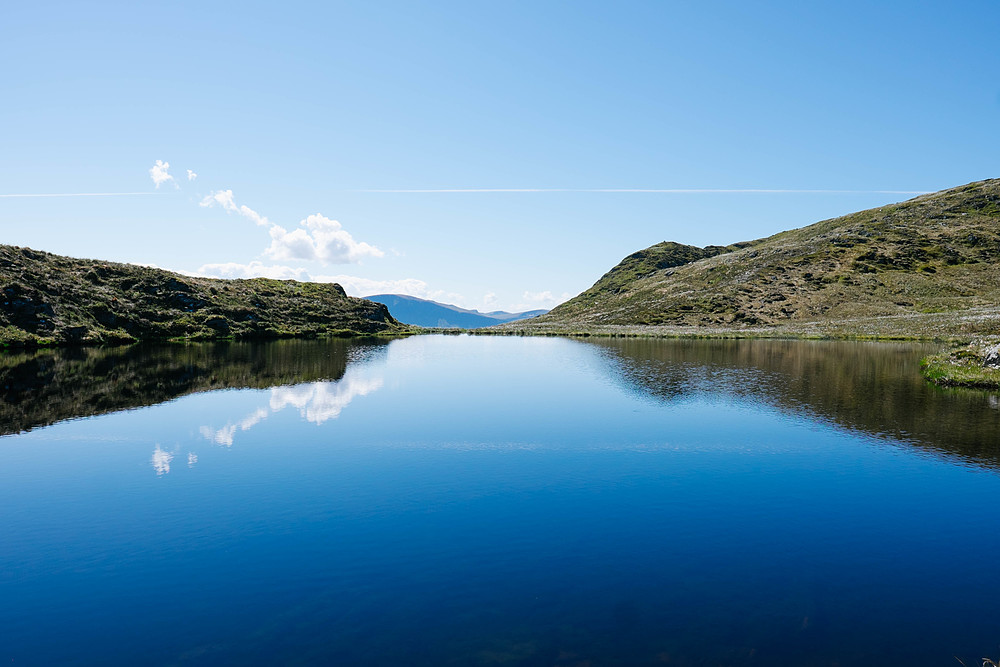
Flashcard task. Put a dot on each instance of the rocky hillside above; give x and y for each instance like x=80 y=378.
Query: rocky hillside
x=50 y=299
x=924 y=267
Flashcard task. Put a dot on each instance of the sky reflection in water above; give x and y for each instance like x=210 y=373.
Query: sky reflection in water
x=466 y=500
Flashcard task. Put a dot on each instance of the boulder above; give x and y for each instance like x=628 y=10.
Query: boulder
x=991 y=357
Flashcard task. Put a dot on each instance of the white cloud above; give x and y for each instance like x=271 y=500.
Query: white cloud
x=192 y=459
x=317 y=238
x=161 y=461
x=353 y=285
x=538 y=297
x=356 y=286
x=191 y=175
x=224 y=198
x=254 y=269
x=537 y=300
x=158 y=172
x=321 y=239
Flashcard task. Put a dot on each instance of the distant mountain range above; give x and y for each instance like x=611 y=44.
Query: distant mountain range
x=426 y=313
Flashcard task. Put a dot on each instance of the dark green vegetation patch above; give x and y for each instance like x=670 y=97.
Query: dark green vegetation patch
x=48 y=299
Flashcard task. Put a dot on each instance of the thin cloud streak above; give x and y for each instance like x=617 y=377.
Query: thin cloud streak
x=86 y=194
x=650 y=190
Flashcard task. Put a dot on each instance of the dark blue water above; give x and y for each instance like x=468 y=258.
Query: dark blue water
x=496 y=501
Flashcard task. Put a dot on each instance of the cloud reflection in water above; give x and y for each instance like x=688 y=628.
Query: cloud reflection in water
x=317 y=402
x=161 y=461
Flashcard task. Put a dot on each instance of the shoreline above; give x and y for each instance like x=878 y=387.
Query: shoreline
x=973 y=366
x=961 y=366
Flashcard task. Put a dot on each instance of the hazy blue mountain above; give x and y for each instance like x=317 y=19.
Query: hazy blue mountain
x=426 y=313
x=504 y=316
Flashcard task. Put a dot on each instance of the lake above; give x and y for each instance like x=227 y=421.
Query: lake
x=457 y=500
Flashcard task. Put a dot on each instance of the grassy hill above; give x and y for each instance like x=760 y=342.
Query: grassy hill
x=925 y=267
x=51 y=299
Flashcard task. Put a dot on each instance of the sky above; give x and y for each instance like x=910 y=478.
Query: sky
x=494 y=155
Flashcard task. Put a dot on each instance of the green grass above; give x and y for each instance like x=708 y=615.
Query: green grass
x=48 y=299
x=926 y=268
x=962 y=367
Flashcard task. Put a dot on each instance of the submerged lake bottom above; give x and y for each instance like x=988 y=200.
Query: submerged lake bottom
x=457 y=500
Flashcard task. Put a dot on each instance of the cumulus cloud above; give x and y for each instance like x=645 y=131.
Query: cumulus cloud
x=191 y=175
x=254 y=269
x=353 y=285
x=158 y=172
x=356 y=286
x=224 y=198
x=318 y=238
x=536 y=300
x=538 y=297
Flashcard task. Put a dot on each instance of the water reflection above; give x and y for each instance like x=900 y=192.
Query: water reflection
x=161 y=461
x=224 y=436
x=870 y=388
x=494 y=501
x=42 y=387
x=317 y=402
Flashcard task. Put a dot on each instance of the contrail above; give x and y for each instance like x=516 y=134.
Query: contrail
x=84 y=194
x=649 y=190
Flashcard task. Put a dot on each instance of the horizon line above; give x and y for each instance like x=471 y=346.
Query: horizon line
x=636 y=190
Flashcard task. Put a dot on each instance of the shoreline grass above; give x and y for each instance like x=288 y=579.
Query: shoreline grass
x=964 y=366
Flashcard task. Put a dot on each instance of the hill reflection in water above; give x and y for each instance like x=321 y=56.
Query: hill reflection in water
x=494 y=500
x=870 y=388
x=38 y=388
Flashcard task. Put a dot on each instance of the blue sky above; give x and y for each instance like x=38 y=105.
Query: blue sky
x=331 y=120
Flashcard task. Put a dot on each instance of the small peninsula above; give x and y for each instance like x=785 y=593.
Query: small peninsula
x=48 y=299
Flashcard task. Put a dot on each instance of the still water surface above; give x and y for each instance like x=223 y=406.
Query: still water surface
x=496 y=501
